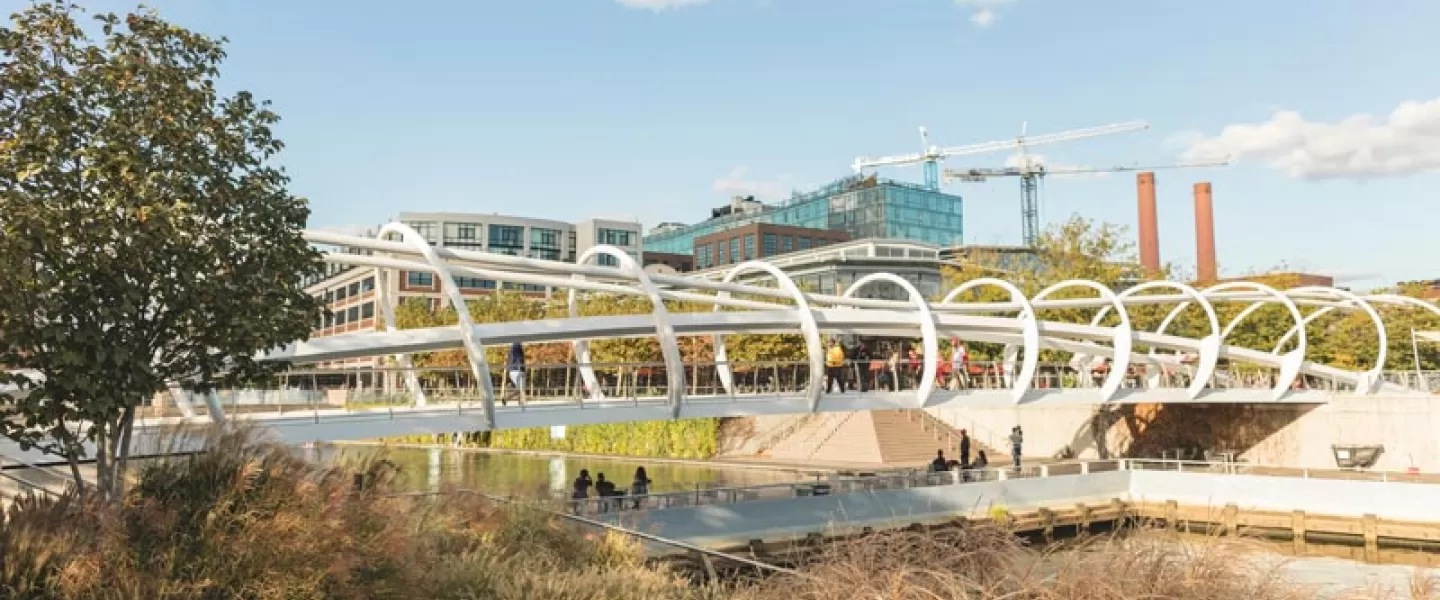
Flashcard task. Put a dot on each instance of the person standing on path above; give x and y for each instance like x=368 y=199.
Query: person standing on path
x=964 y=449
x=515 y=364
x=1017 y=438
x=835 y=367
x=640 y=486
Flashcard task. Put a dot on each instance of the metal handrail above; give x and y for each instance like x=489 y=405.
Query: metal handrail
x=627 y=532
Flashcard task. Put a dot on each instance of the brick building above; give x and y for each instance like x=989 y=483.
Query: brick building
x=759 y=240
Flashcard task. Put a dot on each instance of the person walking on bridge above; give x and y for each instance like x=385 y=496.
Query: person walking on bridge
x=835 y=366
x=515 y=365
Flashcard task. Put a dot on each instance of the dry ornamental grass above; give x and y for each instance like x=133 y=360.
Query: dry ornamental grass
x=255 y=521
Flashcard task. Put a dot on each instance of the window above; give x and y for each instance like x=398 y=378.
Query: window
x=703 y=255
x=616 y=237
x=427 y=229
x=463 y=235
x=368 y=284
x=329 y=319
x=419 y=279
x=507 y=239
x=339 y=318
x=367 y=310
x=789 y=244
x=571 y=247
x=329 y=296
x=340 y=294
x=524 y=287
x=605 y=260
x=771 y=245
x=734 y=250
x=804 y=243
x=474 y=283
x=352 y=314
x=749 y=246
x=355 y=289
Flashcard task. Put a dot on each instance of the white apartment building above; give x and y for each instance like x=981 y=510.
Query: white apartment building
x=350 y=293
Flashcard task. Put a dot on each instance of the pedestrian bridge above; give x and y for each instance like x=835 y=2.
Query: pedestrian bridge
x=1114 y=361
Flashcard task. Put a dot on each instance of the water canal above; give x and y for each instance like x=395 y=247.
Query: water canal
x=540 y=477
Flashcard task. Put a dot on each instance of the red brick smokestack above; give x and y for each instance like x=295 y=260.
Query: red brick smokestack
x=1149 y=231
x=1204 y=233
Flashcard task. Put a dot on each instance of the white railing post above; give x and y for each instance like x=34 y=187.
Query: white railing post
x=1001 y=474
x=1044 y=470
x=1085 y=468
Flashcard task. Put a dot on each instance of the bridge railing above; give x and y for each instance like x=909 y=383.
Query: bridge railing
x=904 y=478
x=371 y=388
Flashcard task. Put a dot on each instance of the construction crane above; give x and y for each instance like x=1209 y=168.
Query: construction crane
x=1031 y=172
x=930 y=156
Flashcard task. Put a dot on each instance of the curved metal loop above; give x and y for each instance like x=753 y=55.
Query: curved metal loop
x=664 y=331
x=930 y=339
x=1122 y=338
x=474 y=347
x=1029 y=328
x=1209 y=345
x=1290 y=364
x=1373 y=377
x=809 y=328
x=382 y=291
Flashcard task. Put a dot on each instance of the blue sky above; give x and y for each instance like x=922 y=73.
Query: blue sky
x=577 y=108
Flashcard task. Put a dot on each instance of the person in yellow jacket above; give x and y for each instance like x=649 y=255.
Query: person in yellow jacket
x=835 y=367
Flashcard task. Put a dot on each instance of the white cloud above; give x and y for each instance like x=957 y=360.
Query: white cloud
x=738 y=184
x=1357 y=147
x=986 y=12
x=659 y=5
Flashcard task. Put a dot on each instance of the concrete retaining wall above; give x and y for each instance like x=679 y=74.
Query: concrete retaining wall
x=773 y=520
x=1345 y=498
x=1274 y=434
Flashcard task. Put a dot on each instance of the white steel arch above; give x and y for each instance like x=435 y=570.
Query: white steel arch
x=1372 y=377
x=669 y=347
x=809 y=329
x=1122 y=340
x=1291 y=362
x=1209 y=354
x=930 y=338
x=1030 y=332
x=387 y=311
x=768 y=310
x=474 y=348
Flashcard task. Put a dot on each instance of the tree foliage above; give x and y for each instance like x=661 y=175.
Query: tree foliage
x=144 y=235
x=1083 y=249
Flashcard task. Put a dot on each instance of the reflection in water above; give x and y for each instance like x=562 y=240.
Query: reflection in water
x=558 y=476
x=533 y=476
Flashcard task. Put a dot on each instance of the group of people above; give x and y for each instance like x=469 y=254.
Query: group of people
x=940 y=464
x=604 y=488
x=885 y=374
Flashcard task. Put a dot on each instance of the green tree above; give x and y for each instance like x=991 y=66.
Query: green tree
x=144 y=235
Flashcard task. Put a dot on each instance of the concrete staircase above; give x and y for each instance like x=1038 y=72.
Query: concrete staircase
x=882 y=437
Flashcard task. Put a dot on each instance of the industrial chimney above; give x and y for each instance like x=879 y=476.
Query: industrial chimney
x=1204 y=234
x=1149 y=231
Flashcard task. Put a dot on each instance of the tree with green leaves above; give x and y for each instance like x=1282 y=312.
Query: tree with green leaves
x=145 y=236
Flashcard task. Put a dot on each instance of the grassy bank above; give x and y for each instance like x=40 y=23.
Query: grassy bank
x=686 y=438
x=254 y=521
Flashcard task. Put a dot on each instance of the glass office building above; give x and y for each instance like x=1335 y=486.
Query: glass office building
x=863 y=207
